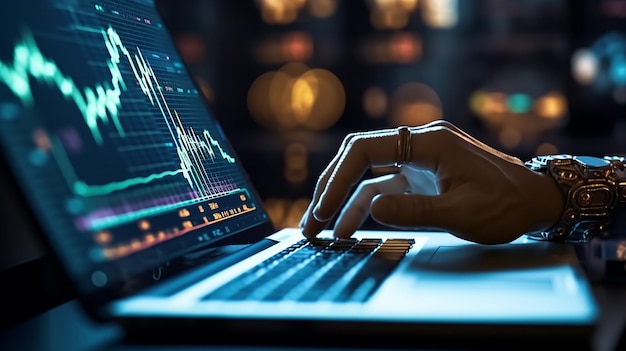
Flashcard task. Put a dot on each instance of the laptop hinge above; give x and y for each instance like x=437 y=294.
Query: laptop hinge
x=207 y=269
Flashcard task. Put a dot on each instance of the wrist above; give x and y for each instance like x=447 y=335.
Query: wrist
x=550 y=204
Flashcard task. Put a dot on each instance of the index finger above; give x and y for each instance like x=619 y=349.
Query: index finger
x=311 y=225
x=372 y=150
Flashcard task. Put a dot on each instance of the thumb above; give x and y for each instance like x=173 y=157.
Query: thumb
x=409 y=210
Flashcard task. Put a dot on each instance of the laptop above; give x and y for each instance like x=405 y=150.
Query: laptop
x=110 y=152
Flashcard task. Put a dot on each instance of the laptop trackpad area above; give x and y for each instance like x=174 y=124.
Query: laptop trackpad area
x=514 y=269
x=519 y=282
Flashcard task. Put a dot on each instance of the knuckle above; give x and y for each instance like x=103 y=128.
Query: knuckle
x=356 y=141
x=367 y=189
x=443 y=124
x=444 y=133
x=349 y=138
x=445 y=138
x=356 y=149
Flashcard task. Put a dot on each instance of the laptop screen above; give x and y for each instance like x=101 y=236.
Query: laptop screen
x=110 y=141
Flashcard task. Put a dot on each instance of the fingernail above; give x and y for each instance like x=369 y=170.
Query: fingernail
x=316 y=215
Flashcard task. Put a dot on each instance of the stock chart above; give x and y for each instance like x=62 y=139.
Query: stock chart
x=109 y=136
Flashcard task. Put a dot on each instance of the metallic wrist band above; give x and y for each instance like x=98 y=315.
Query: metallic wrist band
x=592 y=187
x=403 y=151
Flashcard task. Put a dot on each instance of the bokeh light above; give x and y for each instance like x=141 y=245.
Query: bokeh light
x=440 y=13
x=390 y=19
x=405 y=47
x=517 y=117
x=547 y=149
x=286 y=213
x=296 y=160
x=602 y=65
x=510 y=137
x=584 y=66
x=553 y=105
x=296 y=95
x=414 y=103
x=400 y=47
x=519 y=103
x=617 y=70
x=280 y=11
x=391 y=14
x=322 y=8
x=287 y=47
x=375 y=102
x=328 y=103
x=284 y=12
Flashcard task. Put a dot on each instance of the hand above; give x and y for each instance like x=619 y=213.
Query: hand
x=452 y=182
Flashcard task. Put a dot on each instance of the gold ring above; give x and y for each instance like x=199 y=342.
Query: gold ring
x=403 y=152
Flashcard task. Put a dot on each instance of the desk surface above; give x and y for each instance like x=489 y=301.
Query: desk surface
x=67 y=328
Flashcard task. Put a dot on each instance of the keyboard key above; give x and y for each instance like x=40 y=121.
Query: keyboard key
x=319 y=269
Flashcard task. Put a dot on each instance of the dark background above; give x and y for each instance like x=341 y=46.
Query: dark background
x=526 y=76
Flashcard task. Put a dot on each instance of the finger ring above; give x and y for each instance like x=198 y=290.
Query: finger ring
x=403 y=152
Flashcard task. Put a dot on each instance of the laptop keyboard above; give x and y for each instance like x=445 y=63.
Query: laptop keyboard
x=340 y=270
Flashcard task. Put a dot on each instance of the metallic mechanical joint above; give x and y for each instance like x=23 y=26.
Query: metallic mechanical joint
x=592 y=187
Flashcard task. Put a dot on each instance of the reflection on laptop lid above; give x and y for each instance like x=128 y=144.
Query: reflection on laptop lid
x=141 y=197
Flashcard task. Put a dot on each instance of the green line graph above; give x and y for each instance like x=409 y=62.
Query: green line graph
x=81 y=188
x=100 y=103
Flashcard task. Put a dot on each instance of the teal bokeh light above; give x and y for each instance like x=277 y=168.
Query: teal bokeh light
x=618 y=70
x=519 y=103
